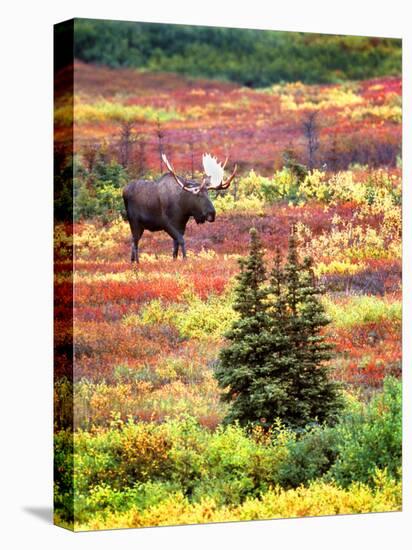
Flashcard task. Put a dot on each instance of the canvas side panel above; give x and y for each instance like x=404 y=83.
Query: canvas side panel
x=63 y=275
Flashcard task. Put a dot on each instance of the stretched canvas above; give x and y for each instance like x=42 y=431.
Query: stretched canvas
x=227 y=274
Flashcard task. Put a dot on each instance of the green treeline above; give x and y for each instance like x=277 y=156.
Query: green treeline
x=250 y=57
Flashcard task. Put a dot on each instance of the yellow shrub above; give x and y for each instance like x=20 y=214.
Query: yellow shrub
x=343 y=267
x=363 y=309
x=251 y=184
x=227 y=203
x=315 y=186
x=156 y=312
x=194 y=319
x=209 y=319
x=102 y=111
x=298 y=97
x=318 y=499
x=348 y=243
x=392 y=113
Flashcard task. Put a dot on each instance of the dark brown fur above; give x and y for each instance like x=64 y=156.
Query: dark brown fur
x=164 y=206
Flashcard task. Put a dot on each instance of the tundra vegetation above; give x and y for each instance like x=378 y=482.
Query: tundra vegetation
x=154 y=442
x=250 y=57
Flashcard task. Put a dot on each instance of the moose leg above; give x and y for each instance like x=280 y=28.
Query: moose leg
x=137 y=232
x=178 y=240
x=183 y=247
x=135 y=254
x=175 y=248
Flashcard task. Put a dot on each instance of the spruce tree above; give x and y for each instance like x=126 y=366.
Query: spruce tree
x=275 y=364
x=241 y=363
x=298 y=315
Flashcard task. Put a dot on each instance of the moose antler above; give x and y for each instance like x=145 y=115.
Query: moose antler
x=215 y=171
x=193 y=190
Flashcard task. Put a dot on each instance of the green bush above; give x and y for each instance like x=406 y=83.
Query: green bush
x=205 y=319
x=141 y=465
x=363 y=309
x=104 y=497
x=370 y=438
x=228 y=203
x=283 y=186
x=286 y=185
x=99 y=193
x=239 y=465
x=64 y=474
x=85 y=205
x=309 y=457
x=198 y=319
x=189 y=444
x=112 y=467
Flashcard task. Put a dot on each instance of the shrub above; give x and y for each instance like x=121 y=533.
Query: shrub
x=137 y=466
x=189 y=444
x=239 y=466
x=85 y=205
x=99 y=193
x=287 y=185
x=205 y=319
x=141 y=496
x=109 y=111
x=309 y=457
x=359 y=310
x=228 y=203
x=315 y=187
x=156 y=312
x=198 y=319
x=253 y=184
x=144 y=453
x=370 y=438
x=316 y=500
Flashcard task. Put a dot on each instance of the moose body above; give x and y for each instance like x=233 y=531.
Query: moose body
x=167 y=205
x=163 y=206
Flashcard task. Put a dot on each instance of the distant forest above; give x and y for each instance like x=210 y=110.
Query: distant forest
x=249 y=57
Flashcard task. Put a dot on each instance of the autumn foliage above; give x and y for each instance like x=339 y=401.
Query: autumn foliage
x=149 y=444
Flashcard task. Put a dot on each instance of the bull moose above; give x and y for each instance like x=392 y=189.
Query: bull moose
x=168 y=203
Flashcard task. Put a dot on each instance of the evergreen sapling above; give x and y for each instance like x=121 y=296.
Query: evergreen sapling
x=275 y=364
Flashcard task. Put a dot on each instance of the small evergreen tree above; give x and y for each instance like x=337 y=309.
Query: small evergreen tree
x=241 y=362
x=274 y=366
x=291 y=163
x=297 y=315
